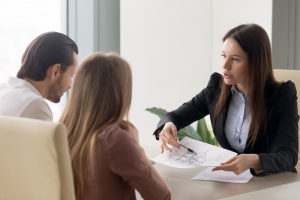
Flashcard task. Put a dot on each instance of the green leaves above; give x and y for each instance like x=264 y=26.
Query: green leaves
x=157 y=111
x=215 y=142
x=203 y=131
x=202 y=134
x=188 y=131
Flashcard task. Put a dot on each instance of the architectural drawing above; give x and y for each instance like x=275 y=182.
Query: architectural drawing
x=206 y=155
x=187 y=158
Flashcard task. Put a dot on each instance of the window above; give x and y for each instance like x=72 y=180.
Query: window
x=20 y=22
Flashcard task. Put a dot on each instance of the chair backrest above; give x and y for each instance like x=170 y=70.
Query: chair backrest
x=35 y=161
x=285 y=75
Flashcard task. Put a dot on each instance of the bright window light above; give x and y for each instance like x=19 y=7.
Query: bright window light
x=20 y=22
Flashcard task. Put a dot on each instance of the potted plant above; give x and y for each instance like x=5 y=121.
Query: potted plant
x=203 y=133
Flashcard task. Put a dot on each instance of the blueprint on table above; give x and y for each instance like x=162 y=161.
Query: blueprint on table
x=207 y=155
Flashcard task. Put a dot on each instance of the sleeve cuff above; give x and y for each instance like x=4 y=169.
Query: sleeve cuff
x=257 y=172
x=157 y=131
x=260 y=172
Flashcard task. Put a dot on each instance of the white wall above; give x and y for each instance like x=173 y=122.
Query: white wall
x=227 y=14
x=168 y=45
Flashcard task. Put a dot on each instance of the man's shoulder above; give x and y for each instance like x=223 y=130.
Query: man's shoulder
x=38 y=109
x=16 y=99
x=18 y=93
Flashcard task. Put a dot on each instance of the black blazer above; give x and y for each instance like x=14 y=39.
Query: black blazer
x=278 y=152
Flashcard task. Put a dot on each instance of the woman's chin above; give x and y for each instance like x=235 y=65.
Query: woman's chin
x=228 y=82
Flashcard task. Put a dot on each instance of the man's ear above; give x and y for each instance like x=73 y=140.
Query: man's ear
x=54 y=70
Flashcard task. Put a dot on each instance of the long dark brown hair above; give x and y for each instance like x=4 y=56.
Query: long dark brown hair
x=254 y=41
x=100 y=97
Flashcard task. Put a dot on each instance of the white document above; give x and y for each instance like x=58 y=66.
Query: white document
x=207 y=155
x=223 y=176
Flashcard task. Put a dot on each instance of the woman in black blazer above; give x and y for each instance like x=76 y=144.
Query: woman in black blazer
x=271 y=132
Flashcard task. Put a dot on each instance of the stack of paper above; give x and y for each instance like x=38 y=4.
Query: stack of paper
x=223 y=176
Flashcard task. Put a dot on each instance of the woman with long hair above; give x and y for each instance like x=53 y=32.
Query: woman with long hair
x=107 y=160
x=252 y=113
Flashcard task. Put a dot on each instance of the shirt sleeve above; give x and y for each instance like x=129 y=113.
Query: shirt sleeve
x=126 y=160
x=38 y=109
x=284 y=157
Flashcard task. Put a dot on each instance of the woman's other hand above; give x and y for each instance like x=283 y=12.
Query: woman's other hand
x=241 y=163
x=168 y=135
x=131 y=129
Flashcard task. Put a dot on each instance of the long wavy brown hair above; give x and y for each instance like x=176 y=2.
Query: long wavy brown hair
x=100 y=97
x=254 y=41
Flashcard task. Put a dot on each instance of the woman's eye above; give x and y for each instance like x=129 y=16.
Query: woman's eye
x=235 y=59
x=223 y=55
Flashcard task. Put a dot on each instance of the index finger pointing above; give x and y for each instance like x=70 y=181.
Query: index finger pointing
x=170 y=141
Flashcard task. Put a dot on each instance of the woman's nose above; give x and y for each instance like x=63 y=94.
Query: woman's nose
x=226 y=64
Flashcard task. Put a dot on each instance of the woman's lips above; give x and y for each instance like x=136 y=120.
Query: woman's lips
x=227 y=76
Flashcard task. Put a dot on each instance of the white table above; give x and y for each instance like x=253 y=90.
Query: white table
x=277 y=186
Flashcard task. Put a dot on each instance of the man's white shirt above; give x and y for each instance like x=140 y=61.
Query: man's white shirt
x=18 y=98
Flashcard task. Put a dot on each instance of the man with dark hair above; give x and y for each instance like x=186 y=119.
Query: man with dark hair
x=48 y=64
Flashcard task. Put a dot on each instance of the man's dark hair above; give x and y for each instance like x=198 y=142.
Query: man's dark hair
x=46 y=50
